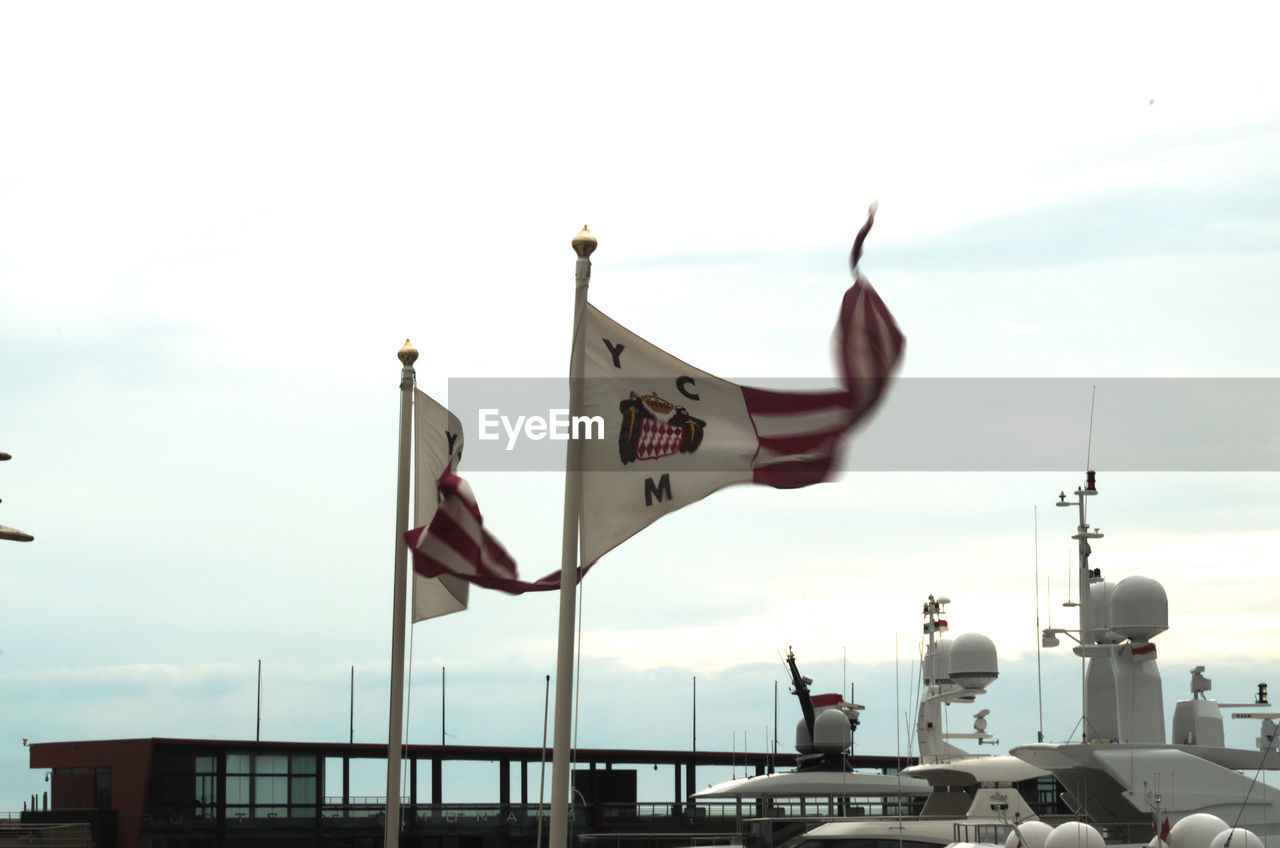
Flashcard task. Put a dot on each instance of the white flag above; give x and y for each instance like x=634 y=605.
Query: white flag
x=674 y=434
x=437 y=446
x=656 y=456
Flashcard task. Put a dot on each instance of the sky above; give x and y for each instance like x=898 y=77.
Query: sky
x=219 y=224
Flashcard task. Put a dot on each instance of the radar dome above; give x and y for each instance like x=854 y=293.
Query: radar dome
x=1196 y=829
x=1239 y=837
x=804 y=743
x=937 y=665
x=1074 y=834
x=1139 y=608
x=1098 y=613
x=831 y=733
x=973 y=661
x=1034 y=834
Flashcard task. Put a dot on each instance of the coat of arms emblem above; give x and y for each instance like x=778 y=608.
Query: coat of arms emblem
x=653 y=427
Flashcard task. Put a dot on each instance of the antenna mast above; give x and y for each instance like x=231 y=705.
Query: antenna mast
x=1039 y=685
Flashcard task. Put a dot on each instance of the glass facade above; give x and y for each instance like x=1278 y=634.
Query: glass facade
x=263 y=786
x=206 y=787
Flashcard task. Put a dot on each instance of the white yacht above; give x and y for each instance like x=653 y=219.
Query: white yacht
x=1124 y=780
x=773 y=808
x=1123 y=771
x=981 y=795
x=877 y=808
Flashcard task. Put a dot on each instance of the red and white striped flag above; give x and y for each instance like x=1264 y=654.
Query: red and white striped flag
x=456 y=543
x=686 y=432
x=682 y=433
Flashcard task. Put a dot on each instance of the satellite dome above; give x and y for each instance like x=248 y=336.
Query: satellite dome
x=1197 y=829
x=1139 y=609
x=1240 y=838
x=1098 y=613
x=937 y=665
x=1034 y=834
x=973 y=661
x=831 y=733
x=804 y=743
x=1074 y=834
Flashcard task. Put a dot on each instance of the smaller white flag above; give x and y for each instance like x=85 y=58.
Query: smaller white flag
x=437 y=447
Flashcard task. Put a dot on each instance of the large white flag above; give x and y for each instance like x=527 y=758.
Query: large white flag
x=437 y=446
x=674 y=434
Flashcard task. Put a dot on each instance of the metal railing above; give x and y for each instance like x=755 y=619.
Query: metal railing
x=45 y=835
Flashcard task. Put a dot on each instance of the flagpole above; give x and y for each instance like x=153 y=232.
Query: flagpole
x=583 y=245
x=391 y=827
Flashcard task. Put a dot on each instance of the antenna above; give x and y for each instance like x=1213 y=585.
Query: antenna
x=1039 y=686
x=1088 y=453
x=1069 y=570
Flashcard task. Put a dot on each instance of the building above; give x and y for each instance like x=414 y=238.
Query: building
x=201 y=793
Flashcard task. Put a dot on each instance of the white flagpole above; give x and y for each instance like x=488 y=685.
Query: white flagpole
x=391 y=827
x=583 y=244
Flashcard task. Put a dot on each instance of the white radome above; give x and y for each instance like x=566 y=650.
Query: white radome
x=1196 y=830
x=1240 y=838
x=1074 y=834
x=1139 y=608
x=1034 y=834
x=831 y=732
x=973 y=661
x=804 y=742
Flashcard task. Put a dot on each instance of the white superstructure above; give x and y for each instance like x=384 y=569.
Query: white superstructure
x=1124 y=769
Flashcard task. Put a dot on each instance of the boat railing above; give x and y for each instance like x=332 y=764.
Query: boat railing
x=985 y=832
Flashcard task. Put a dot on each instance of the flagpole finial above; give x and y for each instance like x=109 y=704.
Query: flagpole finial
x=584 y=243
x=408 y=354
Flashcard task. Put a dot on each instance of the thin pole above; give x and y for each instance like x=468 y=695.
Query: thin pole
x=257 y=733
x=1039 y=685
x=351 y=731
x=442 y=705
x=1088 y=453
x=583 y=245
x=391 y=827
x=695 y=712
x=542 y=778
x=775 y=724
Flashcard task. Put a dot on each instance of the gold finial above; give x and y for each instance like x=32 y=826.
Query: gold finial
x=408 y=354
x=584 y=243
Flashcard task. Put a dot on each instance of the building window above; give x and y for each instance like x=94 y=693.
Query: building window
x=270 y=786
x=265 y=786
x=206 y=787
x=102 y=787
x=302 y=786
x=238 y=776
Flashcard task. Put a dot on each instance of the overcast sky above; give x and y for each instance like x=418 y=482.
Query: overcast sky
x=218 y=224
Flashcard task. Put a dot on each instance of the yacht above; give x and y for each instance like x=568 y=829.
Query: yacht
x=923 y=802
x=1123 y=781
x=1123 y=773
x=980 y=797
